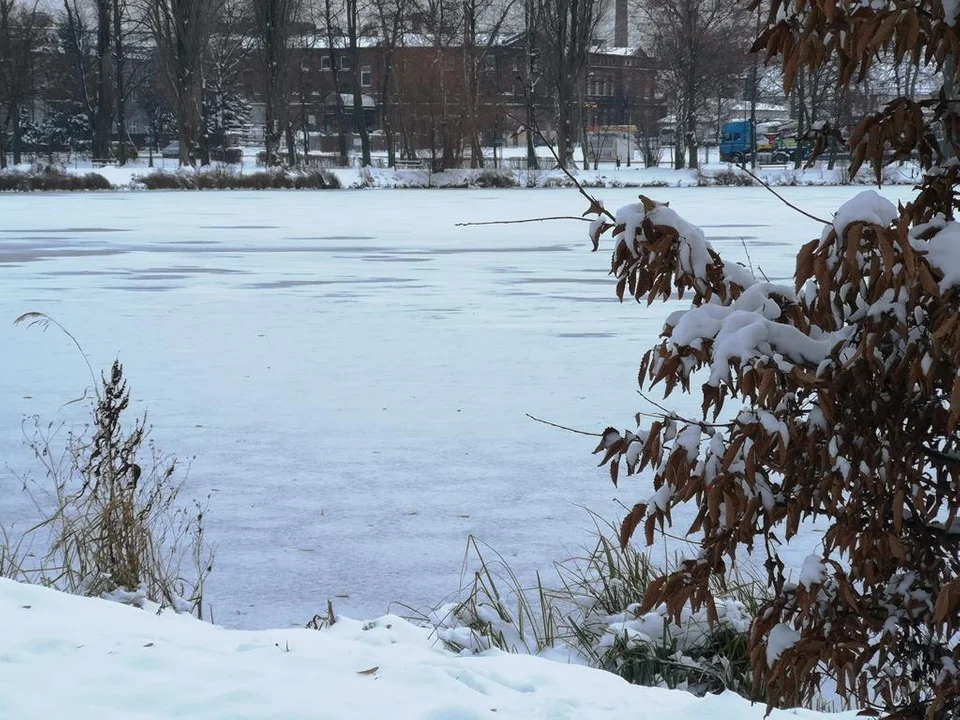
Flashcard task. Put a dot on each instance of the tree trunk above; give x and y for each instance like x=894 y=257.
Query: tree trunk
x=118 y=64
x=678 y=152
x=529 y=89
x=291 y=145
x=353 y=31
x=103 y=123
x=801 y=127
x=385 y=119
x=17 y=135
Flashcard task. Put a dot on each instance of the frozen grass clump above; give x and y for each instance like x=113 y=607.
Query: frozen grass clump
x=50 y=179
x=590 y=614
x=219 y=178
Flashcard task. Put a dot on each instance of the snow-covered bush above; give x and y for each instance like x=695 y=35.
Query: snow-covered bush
x=219 y=178
x=846 y=388
x=48 y=178
x=729 y=176
x=849 y=403
x=495 y=179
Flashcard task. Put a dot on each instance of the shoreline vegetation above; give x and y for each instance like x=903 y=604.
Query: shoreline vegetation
x=55 y=179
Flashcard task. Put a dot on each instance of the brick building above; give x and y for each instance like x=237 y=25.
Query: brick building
x=428 y=108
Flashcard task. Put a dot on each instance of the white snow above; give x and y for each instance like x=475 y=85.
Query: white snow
x=782 y=637
x=64 y=656
x=943 y=252
x=813 y=572
x=350 y=372
x=868 y=206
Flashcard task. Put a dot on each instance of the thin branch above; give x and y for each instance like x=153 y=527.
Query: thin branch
x=526 y=220
x=749 y=259
x=594 y=203
x=666 y=412
x=782 y=199
x=563 y=427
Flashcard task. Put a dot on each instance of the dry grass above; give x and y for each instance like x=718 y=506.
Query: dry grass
x=226 y=179
x=585 y=612
x=112 y=524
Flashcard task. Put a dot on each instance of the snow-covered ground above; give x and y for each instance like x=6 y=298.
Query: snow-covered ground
x=69 y=657
x=606 y=175
x=351 y=372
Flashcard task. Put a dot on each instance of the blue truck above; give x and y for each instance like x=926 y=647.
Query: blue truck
x=772 y=143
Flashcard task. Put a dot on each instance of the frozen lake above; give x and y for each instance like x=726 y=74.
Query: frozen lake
x=351 y=372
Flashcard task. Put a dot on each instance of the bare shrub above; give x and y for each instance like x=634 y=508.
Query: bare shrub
x=495 y=179
x=728 y=177
x=220 y=178
x=112 y=523
x=162 y=180
x=49 y=178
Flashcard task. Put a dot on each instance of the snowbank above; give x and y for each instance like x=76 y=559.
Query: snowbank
x=126 y=177
x=65 y=656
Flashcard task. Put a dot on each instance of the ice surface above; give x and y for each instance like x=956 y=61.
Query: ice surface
x=350 y=372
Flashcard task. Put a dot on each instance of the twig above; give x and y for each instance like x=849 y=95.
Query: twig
x=782 y=199
x=563 y=427
x=672 y=415
x=525 y=220
x=666 y=412
x=594 y=203
x=749 y=259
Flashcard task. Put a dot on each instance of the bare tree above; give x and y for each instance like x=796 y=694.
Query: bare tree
x=92 y=66
x=391 y=19
x=478 y=44
x=21 y=36
x=226 y=53
x=273 y=27
x=332 y=12
x=700 y=45
x=132 y=65
x=181 y=30
x=352 y=12
x=531 y=75
x=569 y=28
x=104 y=81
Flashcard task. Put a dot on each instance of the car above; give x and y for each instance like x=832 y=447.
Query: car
x=172 y=150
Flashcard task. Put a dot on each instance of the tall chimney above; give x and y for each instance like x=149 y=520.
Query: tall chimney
x=620 y=24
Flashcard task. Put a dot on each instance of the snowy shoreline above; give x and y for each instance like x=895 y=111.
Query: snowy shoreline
x=113 y=661
x=136 y=177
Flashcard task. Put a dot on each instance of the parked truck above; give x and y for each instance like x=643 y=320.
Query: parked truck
x=774 y=142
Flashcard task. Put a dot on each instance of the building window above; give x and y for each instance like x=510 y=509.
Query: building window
x=325 y=62
x=490 y=62
x=305 y=65
x=344 y=62
x=366 y=76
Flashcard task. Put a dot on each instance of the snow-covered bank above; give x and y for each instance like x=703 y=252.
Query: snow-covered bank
x=65 y=656
x=138 y=176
